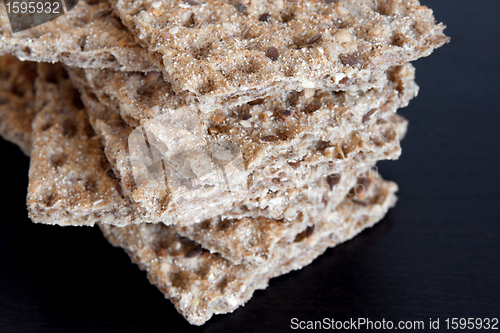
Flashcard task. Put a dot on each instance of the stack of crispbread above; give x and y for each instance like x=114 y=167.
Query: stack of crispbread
x=220 y=143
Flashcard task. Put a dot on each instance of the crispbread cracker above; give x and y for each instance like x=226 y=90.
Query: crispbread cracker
x=17 y=101
x=258 y=240
x=71 y=182
x=61 y=130
x=87 y=36
x=71 y=149
x=216 y=235
x=225 y=51
x=262 y=235
x=201 y=284
x=303 y=207
x=316 y=133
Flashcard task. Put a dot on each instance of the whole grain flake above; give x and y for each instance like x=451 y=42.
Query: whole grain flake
x=272 y=53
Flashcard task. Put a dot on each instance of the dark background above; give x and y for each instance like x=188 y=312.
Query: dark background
x=435 y=255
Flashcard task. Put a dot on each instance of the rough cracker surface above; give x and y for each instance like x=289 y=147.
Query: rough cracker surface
x=67 y=166
x=70 y=180
x=201 y=284
x=17 y=101
x=314 y=133
x=87 y=36
x=260 y=239
x=246 y=234
x=67 y=181
x=220 y=52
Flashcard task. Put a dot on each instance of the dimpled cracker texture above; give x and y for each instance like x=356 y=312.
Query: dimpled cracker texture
x=201 y=284
x=87 y=36
x=288 y=140
x=61 y=130
x=236 y=51
x=17 y=101
x=259 y=237
x=70 y=180
x=59 y=173
x=262 y=238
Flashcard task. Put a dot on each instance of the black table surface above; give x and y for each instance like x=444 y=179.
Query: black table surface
x=435 y=255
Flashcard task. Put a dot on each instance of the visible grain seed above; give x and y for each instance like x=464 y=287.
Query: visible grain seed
x=241 y=7
x=245 y=123
x=219 y=117
x=342 y=11
x=272 y=53
x=329 y=152
x=257 y=101
x=174 y=30
x=213 y=130
x=368 y=115
x=264 y=17
x=156 y=12
x=375 y=31
x=191 y=2
x=270 y=138
x=100 y=14
x=333 y=180
x=346 y=81
x=153 y=76
x=155 y=109
x=349 y=59
x=194 y=252
x=286 y=113
x=309 y=93
x=339 y=152
x=308 y=84
x=294 y=165
x=314 y=39
x=343 y=36
x=321 y=145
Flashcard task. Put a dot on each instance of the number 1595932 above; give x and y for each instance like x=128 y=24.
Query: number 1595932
x=32 y=7
x=472 y=323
